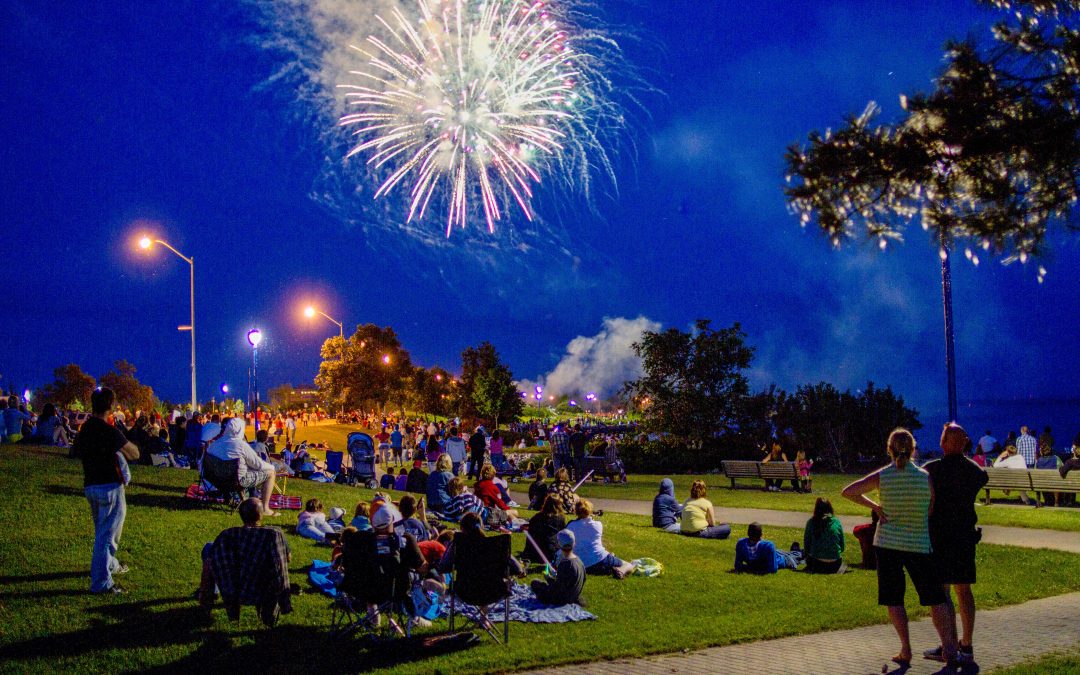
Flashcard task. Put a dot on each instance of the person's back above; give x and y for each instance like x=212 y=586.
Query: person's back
x=695 y=515
x=543 y=528
x=905 y=497
x=759 y=556
x=417 y=481
x=666 y=509
x=455 y=447
x=589 y=546
x=538 y=491
x=956 y=481
x=437 y=495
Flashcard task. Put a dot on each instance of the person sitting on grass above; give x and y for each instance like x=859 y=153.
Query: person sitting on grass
x=252 y=472
x=666 y=510
x=489 y=493
x=566 y=587
x=418 y=479
x=472 y=526
x=589 y=545
x=698 y=517
x=563 y=489
x=311 y=523
x=361 y=517
x=760 y=556
x=462 y=503
x=538 y=490
x=413 y=518
x=542 y=529
x=402 y=480
x=438 y=497
x=823 y=540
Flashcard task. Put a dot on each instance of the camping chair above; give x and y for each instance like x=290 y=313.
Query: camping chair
x=334 y=459
x=481 y=578
x=372 y=575
x=222 y=475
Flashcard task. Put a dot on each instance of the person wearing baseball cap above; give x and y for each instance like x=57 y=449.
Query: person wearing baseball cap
x=569 y=579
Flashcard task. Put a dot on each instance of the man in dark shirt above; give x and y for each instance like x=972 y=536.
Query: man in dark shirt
x=578 y=441
x=97 y=445
x=477 y=446
x=569 y=579
x=956 y=481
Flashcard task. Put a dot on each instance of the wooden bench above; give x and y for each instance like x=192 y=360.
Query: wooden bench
x=1037 y=480
x=599 y=466
x=778 y=471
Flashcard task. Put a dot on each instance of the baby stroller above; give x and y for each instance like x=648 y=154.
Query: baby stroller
x=503 y=468
x=362 y=453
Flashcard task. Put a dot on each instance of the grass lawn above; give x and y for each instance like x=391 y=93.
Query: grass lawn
x=751 y=495
x=49 y=622
x=1057 y=664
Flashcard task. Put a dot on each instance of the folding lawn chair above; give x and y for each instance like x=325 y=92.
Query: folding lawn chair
x=223 y=476
x=372 y=575
x=481 y=578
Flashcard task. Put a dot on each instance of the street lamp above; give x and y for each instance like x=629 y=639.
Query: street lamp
x=310 y=313
x=254 y=337
x=145 y=243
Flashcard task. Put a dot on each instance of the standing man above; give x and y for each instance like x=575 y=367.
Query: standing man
x=396 y=442
x=290 y=428
x=1027 y=447
x=988 y=443
x=956 y=481
x=477 y=446
x=455 y=447
x=578 y=441
x=97 y=445
x=560 y=447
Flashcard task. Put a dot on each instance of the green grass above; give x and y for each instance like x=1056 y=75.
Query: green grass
x=48 y=622
x=749 y=494
x=1055 y=664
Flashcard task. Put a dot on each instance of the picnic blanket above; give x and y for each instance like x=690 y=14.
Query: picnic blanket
x=524 y=607
x=287 y=502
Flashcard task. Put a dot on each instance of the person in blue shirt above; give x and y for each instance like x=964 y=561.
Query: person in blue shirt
x=666 y=510
x=760 y=556
x=395 y=444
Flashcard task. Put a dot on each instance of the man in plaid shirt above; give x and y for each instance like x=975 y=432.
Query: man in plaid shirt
x=1027 y=447
x=560 y=448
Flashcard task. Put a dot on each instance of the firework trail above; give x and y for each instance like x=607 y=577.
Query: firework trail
x=472 y=98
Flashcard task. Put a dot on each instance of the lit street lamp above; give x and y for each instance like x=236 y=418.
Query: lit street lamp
x=145 y=243
x=254 y=337
x=310 y=313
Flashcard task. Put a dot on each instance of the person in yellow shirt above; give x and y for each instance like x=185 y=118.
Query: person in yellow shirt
x=698 y=517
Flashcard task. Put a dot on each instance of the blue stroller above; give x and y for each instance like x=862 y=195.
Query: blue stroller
x=362 y=453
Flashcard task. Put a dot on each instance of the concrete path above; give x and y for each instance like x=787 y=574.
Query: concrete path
x=1004 y=637
x=992 y=534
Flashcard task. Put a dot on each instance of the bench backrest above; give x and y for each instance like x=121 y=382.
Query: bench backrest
x=1049 y=480
x=1008 y=479
x=778 y=470
x=738 y=468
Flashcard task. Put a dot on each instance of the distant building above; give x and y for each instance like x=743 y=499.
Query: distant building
x=293 y=398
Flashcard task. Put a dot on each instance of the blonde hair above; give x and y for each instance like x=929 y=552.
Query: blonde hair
x=697 y=489
x=444 y=463
x=901 y=446
x=583 y=508
x=455 y=486
x=487 y=472
x=800 y=456
x=562 y=474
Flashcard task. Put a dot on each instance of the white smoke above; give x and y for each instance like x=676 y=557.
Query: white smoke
x=599 y=363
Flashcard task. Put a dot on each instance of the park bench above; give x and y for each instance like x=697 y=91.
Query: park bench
x=736 y=468
x=599 y=466
x=1038 y=480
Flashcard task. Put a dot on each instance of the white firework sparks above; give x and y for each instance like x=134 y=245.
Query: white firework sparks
x=467 y=99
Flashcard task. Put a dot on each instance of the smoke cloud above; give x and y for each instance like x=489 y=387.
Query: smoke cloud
x=599 y=363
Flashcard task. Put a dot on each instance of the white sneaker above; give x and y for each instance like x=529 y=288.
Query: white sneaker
x=418 y=622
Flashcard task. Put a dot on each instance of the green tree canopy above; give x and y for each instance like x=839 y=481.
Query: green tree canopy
x=130 y=393
x=990 y=158
x=71 y=388
x=476 y=361
x=369 y=368
x=693 y=382
x=495 y=395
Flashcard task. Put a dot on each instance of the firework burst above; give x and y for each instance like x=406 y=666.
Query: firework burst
x=467 y=100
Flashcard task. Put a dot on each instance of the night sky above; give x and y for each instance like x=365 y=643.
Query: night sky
x=124 y=116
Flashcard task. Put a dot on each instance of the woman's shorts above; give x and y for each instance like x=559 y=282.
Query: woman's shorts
x=920 y=567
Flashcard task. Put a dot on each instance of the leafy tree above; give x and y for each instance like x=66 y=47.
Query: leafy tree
x=430 y=390
x=71 y=387
x=130 y=393
x=474 y=362
x=692 y=383
x=990 y=157
x=495 y=395
x=369 y=368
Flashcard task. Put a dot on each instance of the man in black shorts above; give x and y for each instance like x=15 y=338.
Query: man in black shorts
x=956 y=481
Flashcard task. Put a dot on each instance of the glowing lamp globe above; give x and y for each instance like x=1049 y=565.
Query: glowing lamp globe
x=254 y=337
x=145 y=243
x=309 y=312
x=386 y=359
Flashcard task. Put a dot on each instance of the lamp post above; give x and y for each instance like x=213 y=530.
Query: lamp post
x=310 y=313
x=254 y=337
x=950 y=349
x=145 y=243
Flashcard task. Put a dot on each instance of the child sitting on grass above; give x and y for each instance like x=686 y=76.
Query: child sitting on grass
x=311 y=523
x=361 y=517
x=760 y=556
x=569 y=579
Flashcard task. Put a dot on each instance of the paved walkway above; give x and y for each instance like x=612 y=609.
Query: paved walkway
x=992 y=534
x=1004 y=637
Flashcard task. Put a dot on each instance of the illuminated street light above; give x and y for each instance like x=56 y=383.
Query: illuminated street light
x=145 y=243
x=386 y=359
x=254 y=337
x=310 y=313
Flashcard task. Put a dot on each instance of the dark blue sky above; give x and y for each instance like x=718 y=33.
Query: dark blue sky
x=167 y=113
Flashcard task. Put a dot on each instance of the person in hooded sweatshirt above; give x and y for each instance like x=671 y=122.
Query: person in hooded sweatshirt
x=666 y=510
x=253 y=471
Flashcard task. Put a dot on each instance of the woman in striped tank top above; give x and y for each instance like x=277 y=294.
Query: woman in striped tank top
x=902 y=541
